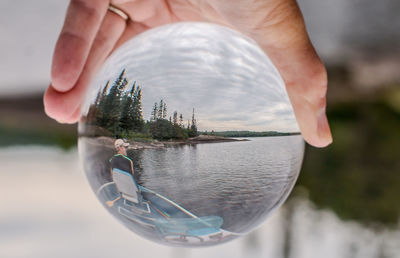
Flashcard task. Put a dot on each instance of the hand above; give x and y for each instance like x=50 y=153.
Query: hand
x=91 y=33
x=109 y=204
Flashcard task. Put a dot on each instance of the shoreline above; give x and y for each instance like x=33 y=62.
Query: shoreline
x=155 y=144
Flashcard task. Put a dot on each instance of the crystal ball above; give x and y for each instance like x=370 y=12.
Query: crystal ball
x=187 y=135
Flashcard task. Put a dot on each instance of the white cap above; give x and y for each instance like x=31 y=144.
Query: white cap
x=119 y=143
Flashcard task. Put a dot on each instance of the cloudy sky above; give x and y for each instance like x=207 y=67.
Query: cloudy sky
x=229 y=81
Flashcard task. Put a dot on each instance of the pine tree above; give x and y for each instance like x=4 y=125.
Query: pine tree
x=175 y=118
x=98 y=97
x=136 y=114
x=193 y=119
x=133 y=89
x=118 y=82
x=124 y=122
x=154 y=113
x=111 y=104
x=164 y=114
x=160 y=109
x=131 y=114
x=181 y=120
x=93 y=109
x=123 y=84
x=100 y=106
x=193 y=127
x=127 y=102
x=104 y=92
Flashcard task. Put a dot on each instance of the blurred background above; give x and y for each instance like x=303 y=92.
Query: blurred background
x=345 y=203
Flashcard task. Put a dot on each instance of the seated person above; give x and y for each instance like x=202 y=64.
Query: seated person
x=120 y=161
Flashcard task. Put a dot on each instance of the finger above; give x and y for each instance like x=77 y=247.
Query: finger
x=132 y=29
x=74 y=117
x=81 y=25
x=284 y=38
x=152 y=13
x=306 y=84
x=63 y=105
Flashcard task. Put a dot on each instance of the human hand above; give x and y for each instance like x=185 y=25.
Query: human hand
x=90 y=34
x=109 y=204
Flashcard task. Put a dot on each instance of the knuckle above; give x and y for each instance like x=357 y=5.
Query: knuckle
x=102 y=41
x=68 y=36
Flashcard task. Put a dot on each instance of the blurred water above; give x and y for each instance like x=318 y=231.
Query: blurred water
x=48 y=210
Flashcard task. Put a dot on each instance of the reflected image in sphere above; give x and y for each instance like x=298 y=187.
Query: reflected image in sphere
x=187 y=135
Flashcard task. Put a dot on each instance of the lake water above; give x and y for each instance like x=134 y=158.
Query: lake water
x=47 y=210
x=241 y=182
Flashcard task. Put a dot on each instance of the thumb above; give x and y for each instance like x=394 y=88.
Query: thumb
x=287 y=44
x=278 y=27
x=306 y=83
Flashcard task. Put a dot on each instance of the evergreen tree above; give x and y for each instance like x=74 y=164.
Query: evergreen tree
x=133 y=88
x=119 y=81
x=100 y=106
x=175 y=118
x=94 y=109
x=124 y=122
x=98 y=97
x=193 y=119
x=164 y=114
x=193 y=127
x=136 y=113
x=110 y=107
x=131 y=118
x=154 y=113
x=123 y=84
x=161 y=129
x=161 y=109
x=104 y=92
x=120 y=111
x=181 y=120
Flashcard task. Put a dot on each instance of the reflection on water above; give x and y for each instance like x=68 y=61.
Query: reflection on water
x=52 y=213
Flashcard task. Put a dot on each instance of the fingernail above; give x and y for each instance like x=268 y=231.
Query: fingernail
x=324 y=132
x=61 y=121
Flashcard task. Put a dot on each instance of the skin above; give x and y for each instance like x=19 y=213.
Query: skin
x=122 y=150
x=91 y=33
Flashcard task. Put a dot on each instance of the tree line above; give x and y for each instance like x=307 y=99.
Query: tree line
x=249 y=133
x=118 y=109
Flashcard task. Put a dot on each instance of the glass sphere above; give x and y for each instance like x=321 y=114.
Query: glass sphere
x=187 y=135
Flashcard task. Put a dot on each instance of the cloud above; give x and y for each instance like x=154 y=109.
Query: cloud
x=228 y=79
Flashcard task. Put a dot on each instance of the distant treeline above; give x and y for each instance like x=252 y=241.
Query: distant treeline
x=248 y=133
x=118 y=110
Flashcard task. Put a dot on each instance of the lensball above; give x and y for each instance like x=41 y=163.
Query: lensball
x=187 y=135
